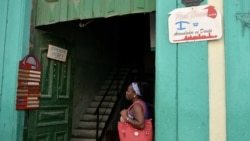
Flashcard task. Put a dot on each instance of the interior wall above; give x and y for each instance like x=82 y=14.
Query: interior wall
x=93 y=60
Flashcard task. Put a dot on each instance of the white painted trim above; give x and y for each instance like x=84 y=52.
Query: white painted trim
x=217 y=98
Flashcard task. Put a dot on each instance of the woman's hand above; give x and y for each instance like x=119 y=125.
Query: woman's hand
x=124 y=113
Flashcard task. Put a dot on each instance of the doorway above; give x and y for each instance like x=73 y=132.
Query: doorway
x=98 y=45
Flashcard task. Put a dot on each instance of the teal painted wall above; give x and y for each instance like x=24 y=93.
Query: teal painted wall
x=3 y=19
x=181 y=100
x=237 y=48
x=14 y=42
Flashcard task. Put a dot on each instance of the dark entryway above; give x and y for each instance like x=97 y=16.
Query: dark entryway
x=98 y=45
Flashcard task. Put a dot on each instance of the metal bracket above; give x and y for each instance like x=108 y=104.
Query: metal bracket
x=244 y=18
x=51 y=0
x=188 y=3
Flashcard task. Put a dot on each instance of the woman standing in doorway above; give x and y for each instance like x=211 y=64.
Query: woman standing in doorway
x=137 y=113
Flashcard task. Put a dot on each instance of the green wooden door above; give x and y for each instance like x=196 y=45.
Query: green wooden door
x=52 y=121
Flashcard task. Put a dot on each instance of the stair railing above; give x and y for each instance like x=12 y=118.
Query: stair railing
x=97 y=112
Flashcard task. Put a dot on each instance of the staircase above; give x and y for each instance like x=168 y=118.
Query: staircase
x=105 y=101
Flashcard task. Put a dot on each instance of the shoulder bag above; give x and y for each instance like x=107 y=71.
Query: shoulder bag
x=129 y=133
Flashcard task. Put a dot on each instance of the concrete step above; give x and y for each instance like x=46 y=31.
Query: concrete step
x=91 y=117
x=115 y=82
x=90 y=124
x=110 y=92
x=107 y=98
x=103 y=105
x=102 y=111
x=85 y=133
x=112 y=87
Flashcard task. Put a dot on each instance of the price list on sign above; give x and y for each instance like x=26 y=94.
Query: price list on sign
x=28 y=90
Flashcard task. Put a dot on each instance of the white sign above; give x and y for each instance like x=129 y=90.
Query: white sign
x=57 y=53
x=196 y=23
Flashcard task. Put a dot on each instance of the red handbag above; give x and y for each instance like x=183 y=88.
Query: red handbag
x=129 y=133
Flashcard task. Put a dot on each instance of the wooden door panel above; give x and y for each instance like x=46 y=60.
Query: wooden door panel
x=48 y=122
x=52 y=121
x=56 y=79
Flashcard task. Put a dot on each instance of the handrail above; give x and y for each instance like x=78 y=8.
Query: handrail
x=99 y=106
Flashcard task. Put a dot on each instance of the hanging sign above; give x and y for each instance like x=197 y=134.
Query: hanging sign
x=57 y=53
x=28 y=90
x=196 y=23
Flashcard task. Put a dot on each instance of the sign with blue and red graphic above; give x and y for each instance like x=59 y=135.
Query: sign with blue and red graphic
x=196 y=23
